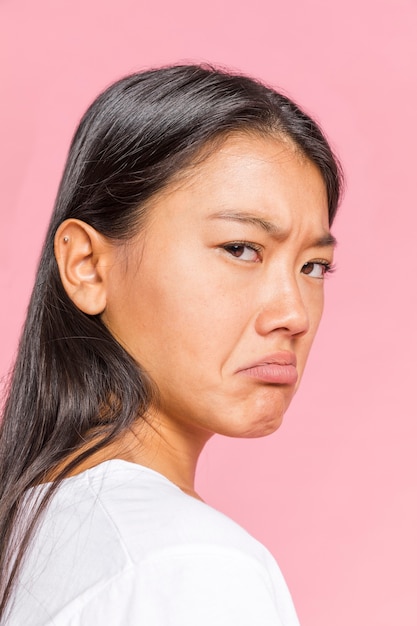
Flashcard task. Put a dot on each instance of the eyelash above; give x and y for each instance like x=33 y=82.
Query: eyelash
x=241 y=244
x=328 y=268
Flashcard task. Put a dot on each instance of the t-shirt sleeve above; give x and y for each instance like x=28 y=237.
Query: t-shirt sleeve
x=199 y=588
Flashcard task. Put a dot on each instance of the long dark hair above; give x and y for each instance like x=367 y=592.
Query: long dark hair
x=72 y=379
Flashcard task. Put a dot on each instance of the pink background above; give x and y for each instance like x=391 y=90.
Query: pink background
x=333 y=493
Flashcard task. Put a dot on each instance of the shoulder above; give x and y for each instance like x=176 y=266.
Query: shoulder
x=188 y=559
x=136 y=513
x=149 y=514
x=121 y=540
x=184 y=587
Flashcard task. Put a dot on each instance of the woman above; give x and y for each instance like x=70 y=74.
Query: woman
x=178 y=293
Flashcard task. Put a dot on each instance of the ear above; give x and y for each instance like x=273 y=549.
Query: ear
x=83 y=257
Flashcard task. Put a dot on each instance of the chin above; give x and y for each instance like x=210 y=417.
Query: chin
x=263 y=431
x=266 y=415
x=262 y=427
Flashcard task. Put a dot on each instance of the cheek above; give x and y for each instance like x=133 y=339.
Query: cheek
x=316 y=308
x=312 y=293
x=314 y=300
x=182 y=316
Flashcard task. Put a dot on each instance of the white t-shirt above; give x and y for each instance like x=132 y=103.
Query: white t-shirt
x=120 y=545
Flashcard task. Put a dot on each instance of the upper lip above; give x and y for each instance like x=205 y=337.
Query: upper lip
x=283 y=357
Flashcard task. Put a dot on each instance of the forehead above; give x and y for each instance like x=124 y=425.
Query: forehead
x=268 y=175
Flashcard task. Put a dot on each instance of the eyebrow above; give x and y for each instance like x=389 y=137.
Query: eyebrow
x=325 y=240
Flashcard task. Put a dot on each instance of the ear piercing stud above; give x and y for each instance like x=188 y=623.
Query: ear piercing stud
x=66 y=239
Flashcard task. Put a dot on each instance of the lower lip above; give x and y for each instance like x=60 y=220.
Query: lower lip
x=273 y=373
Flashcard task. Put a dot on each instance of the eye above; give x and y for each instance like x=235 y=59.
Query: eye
x=316 y=269
x=244 y=251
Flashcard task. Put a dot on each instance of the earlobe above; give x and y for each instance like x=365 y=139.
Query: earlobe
x=81 y=254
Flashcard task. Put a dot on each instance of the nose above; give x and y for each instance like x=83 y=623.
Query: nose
x=284 y=308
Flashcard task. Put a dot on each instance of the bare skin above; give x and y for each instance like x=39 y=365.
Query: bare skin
x=225 y=280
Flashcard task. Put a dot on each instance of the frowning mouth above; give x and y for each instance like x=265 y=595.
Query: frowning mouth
x=279 y=369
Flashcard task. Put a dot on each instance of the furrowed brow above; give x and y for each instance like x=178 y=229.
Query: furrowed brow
x=324 y=241
x=248 y=218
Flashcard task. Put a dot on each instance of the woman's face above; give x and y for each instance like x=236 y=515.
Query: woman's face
x=220 y=297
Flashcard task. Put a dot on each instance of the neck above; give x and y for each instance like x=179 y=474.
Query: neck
x=167 y=448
